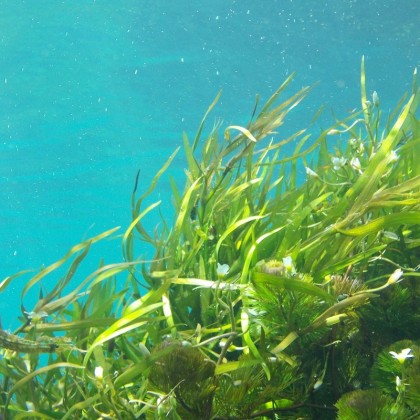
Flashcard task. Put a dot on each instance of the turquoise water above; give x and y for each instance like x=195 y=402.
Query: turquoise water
x=92 y=91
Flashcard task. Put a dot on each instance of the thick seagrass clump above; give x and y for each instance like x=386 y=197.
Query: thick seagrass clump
x=286 y=286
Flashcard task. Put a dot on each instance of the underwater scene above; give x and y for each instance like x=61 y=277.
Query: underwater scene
x=210 y=210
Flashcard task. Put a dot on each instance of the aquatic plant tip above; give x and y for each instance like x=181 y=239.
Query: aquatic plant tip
x=355 y=164
x=402 y=355
x=393 y=157
x=400 y=385
x=222 y=270
x=338 y=163
x=36 y=317
x=288 y=265
x=395 y=276
x=99 y=373
x=311 y=173
x=30 y=406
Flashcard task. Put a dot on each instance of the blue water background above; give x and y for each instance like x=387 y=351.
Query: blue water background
x=92 y=91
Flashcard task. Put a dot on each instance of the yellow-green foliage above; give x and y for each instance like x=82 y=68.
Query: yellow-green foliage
x=267 y=295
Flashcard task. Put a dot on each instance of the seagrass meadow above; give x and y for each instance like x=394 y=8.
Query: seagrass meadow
x=269 y=296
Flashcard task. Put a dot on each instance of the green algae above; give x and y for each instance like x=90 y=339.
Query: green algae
x=267 y=296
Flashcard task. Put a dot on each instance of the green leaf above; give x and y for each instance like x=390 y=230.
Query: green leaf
x=395 y=219
x=291 y=285
x=228 y=367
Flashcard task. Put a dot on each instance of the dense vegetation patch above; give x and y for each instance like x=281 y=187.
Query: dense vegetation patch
x=269 y=296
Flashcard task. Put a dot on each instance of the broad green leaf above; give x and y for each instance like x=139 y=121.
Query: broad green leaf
x=383 y=222
x=228 y=367
x=290 y=284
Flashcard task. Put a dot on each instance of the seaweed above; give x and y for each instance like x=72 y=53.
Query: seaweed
x=277 y=292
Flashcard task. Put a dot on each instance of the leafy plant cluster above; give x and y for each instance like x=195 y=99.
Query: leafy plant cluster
x=270 y=296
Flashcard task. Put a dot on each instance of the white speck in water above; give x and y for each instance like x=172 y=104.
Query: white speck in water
x=182 y=59
x=5 y=80
x=136 y=71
